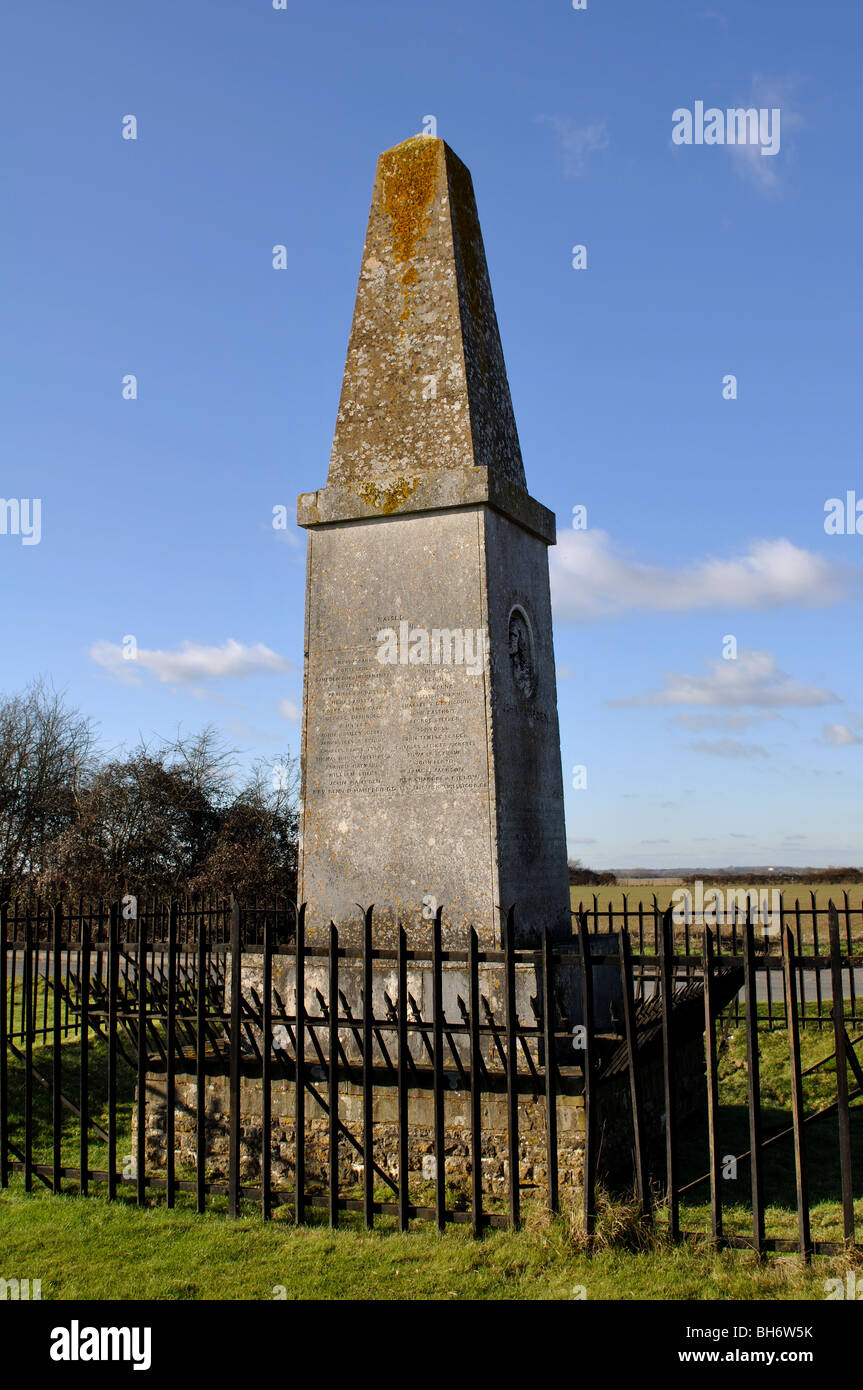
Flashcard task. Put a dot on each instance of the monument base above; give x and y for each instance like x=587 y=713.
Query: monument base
x=533 y=1170
x=614 y=1129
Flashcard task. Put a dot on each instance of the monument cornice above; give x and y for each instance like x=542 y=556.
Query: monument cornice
x=435 y=490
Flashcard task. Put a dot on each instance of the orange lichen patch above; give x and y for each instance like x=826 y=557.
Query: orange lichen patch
x=409 y=178
x=386 y=499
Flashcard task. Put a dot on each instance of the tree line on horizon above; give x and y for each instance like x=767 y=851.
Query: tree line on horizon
x=170 y=818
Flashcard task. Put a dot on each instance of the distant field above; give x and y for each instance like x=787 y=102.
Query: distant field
x=643 y=890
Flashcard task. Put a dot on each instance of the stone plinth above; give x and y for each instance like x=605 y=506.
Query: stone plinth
x=495 y=1162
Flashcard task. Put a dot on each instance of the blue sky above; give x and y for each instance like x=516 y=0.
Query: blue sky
x=259 y=127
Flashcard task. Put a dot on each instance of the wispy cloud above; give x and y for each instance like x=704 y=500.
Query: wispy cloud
x=700 y=723
x=765 y=173
x=840 y=736
x=192 y=662
x=753 y=679
x=591 y=580
x=729 y=748
x=577 y=142
x=248 y=732
x=292 y=537
x=289 y=710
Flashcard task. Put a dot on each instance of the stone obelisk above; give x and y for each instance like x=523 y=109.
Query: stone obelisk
x=431 y=771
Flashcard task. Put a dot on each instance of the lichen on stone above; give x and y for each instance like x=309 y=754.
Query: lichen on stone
x=409 y=178
x=387 y=497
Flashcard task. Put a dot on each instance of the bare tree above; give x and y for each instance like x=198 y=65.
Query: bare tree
x=255 y=848
x=146 y=821
x=46 y=756
x=166 y=818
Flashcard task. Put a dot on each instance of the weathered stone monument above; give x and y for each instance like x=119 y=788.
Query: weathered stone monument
x=431 y=776
x=430 y=745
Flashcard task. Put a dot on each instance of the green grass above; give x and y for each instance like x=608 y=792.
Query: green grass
x=86 y=1249
x=821 y=1139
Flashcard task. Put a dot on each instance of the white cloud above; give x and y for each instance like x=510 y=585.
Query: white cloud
x=840 y=736
x=589 y=580
x=752 y=680
x=289 y=710
x=192 y=662
x=577 y=142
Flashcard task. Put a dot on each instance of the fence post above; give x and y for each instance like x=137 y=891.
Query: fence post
x=852 y=988
x=84 y=1054
x=141 y=1154
x=712 y=1092
x=333 y=1096
x=4 y=1038
x=549 y=1042
x=300 y=1069
x=402 y=1022
x=170 y=1058
x=642 y=1181
x=803 y=1225
x=113 y=991
x=234 y=1061
x=12 y=968
x=368 y=1082
x=56 y=1051
x=782 y=951
x=27 y=1018
x=475 y=1084
x=590 y=1136
x=512 y=1071
x=816 y=952
x=801 y=974
x=200 y=1071
x=266 y=1070
x=667 y=975
x=753 y=1071
x=768 y=973
x=437 y=1064
x=840 y=1045
x=734 y=918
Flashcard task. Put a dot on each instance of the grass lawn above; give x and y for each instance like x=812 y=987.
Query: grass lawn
x=85 y=1249
x=821 y=1140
